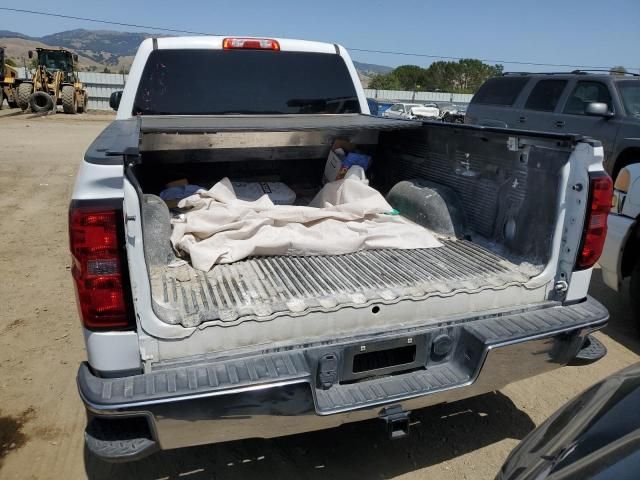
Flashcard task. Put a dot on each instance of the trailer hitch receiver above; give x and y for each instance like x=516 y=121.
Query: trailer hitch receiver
x=397 y=421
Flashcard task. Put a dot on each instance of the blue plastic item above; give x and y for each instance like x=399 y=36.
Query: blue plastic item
x=354 y=158
x=179 y=192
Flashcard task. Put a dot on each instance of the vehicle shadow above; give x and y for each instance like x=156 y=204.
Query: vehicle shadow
x=622 y=327
x=359 y=450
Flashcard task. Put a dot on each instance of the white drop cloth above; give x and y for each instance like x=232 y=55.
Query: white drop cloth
x=344 y=217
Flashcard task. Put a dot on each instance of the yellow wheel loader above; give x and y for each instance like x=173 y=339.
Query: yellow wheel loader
x=9 y=82
x=55 y=82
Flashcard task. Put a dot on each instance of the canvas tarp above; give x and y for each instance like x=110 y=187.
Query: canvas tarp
x=345 y=216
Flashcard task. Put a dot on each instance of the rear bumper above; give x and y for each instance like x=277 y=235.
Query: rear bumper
x=277 y=394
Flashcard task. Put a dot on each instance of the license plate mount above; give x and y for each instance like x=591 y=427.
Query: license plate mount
x=384 y=357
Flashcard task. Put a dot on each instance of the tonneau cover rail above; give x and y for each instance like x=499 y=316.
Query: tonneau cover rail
x=122 y=137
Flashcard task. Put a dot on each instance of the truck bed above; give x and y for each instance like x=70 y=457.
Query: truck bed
x=261 y=288
x=482 y=199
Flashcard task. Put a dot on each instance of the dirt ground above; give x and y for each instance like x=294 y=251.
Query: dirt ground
x=41 y=416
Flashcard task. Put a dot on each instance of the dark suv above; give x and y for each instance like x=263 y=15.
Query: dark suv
x=602 y=106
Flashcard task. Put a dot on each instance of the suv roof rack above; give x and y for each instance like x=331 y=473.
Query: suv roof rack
x=505 y=74
x=573 y=72
x=585 y=71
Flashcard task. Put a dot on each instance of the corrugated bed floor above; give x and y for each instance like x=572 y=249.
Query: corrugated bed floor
x=258 y=288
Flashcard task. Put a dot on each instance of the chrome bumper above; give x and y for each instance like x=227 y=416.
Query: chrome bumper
x=277 y=394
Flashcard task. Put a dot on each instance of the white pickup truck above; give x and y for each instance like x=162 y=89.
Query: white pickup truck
x=274 y=345
x=621 y=256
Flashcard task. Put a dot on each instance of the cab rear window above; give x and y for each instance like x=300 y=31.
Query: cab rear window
x=219 y=82
x=500 y=91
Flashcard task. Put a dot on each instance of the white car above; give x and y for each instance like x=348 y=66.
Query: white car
x=428 y=110
x=621 y=254
x=411 y=111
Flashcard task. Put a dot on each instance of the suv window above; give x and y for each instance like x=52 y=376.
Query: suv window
x=585 y=93
x=630 y=93
x=218 y=82
x=500 y=91
x=545 y=95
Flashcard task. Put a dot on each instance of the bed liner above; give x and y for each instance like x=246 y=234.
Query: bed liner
x=261 y=288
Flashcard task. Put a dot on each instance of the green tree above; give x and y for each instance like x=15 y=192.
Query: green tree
x=11 y=62
x=463 y=76
x=385 y=82
x=106 y=70
x=618 y=70
x=411 y=77
x=473 y=73
x=441 y=75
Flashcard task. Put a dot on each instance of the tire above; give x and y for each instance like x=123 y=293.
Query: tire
x=69 y=99
x=41 y=102
x=634 y=292
x=82 y=107
x=24 y=94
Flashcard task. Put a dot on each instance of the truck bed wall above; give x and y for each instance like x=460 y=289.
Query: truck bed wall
x=508 y=197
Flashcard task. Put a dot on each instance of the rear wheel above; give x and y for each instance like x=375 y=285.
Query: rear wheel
x=82 y=106
x=69 y=99
x=24 y=93
x=41 y=102
x=635 y=292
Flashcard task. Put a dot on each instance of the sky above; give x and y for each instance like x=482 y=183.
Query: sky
x=577 y=32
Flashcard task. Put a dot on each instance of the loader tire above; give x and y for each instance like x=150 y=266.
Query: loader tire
x=41 y=102
x=24 y=93
x=82 y=106
x=69 y=99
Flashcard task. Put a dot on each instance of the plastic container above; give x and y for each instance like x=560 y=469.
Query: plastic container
x=278 y=192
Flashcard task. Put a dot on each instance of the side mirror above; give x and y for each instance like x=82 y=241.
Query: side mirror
x=75 y=57
x=114 y=100
x=30 y=53
x=598 y=109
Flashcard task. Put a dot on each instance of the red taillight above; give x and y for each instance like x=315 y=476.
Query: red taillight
x=95 y=234
x=250 y=44
x=595 y=228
